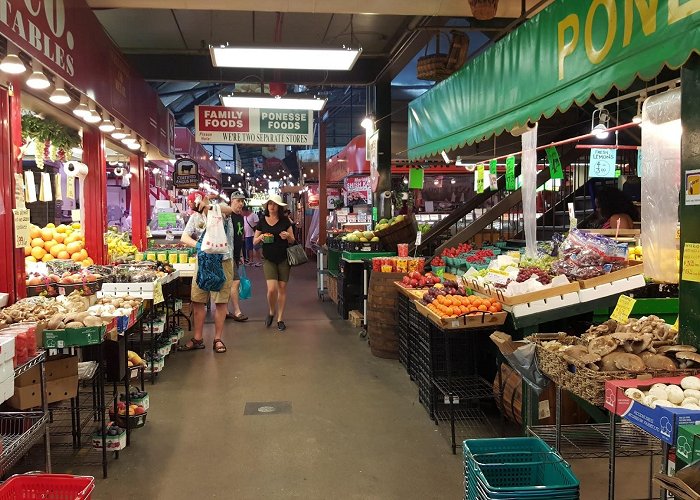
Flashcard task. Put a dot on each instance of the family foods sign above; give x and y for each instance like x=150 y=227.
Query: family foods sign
x=573 y=49
x=218 y=124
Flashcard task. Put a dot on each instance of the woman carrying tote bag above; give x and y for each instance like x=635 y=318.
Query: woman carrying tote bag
x=274 y=233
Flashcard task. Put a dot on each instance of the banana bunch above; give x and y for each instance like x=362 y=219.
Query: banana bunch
x=119 y=246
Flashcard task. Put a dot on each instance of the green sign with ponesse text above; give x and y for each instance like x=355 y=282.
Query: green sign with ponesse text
x=282 y=120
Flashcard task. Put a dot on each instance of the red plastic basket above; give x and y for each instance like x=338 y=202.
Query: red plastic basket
x=47 y=486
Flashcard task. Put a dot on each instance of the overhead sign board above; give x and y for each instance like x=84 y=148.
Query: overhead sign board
x=222 y=125
x=186 y=173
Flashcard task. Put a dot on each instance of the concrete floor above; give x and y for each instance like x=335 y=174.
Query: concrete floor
x=355 y=430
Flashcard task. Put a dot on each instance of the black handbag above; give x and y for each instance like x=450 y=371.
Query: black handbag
x=296 y=255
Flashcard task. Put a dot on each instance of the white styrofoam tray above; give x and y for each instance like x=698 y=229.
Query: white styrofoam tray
x=612 y=288
x=543 y=305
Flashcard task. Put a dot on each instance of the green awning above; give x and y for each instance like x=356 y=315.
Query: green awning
x=571 y=50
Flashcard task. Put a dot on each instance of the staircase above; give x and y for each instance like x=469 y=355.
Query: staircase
x=498 y=215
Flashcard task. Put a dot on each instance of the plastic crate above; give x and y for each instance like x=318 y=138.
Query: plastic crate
x=47 y=486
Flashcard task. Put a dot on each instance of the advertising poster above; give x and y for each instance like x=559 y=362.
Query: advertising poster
x=358 y=191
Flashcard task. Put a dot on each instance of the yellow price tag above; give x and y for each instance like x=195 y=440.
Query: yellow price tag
x=623 y=309
x=158 y=293
x=675 y=325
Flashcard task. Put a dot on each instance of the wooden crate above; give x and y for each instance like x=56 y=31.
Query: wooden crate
x=633 y=268
x=356 y=318
x=333 y=288
x=484 y=320
x=411 y=293
x=512 y=300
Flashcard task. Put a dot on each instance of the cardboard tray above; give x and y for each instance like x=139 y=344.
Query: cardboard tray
x=661 y=422
x=513 y=300
x=484 y=320
x=633 y=268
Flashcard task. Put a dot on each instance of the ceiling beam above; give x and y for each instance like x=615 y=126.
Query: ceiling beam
x=447 y=8
x=198 y=68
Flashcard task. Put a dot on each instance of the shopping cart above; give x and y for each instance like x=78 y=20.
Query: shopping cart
x=47 y=486
x=516 y=468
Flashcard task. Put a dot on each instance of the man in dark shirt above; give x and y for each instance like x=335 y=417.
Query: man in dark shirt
x=238 y=233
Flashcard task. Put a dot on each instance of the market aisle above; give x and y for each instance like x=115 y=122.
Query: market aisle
x=356 y=429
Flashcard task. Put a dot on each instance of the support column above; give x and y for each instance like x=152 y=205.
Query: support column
x=322 y=184
x=689 y=296
x=12 y=272
x=139 y=211
x=95 y=195
x=383 y=114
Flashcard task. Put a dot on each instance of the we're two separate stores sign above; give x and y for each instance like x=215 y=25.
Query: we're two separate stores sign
x=218 y=124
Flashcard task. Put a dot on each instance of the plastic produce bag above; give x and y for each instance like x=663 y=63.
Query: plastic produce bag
x=529 y=189
x=245 y=288
x=586 y=255
x=215 y=240
x=661 y=164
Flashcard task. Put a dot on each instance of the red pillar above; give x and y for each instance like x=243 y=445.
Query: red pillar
x=12 y=273
x=139 y=205
x=95 y=195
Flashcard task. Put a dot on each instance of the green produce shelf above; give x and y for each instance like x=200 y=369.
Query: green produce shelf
x=666 y=309
x=354 y=256
x=334 y=259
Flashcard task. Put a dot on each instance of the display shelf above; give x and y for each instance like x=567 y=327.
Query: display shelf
x=469 y=423
x=593 y=440
x=464 y=388
x=17 y=439
x=39 y=358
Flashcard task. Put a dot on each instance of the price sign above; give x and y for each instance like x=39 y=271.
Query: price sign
x=19 y=191
x=70 y=187
x=21 y=217
x=691 y=262
x=510 y=173
x=479 y=179
x=493 y=175
x=603 y=163
x=675 y=325
x=158 y=293
x=419 y=238
x=497 y=277
x=555 y=169
x=623 y=309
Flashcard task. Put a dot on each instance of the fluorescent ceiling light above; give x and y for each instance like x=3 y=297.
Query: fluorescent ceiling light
x=273 y=102
x=445 y=157
x=342 y=59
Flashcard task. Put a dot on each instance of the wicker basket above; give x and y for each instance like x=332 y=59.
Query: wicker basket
x=585 y=383
x=432 y=67
x=483 y=10
x=400 y=232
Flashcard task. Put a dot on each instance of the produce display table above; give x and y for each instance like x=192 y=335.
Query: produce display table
x=347 y=276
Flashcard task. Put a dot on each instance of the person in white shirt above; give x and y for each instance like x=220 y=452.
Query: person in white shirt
x=252 y=251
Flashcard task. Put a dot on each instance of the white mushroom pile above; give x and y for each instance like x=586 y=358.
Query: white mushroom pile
x=686 y=396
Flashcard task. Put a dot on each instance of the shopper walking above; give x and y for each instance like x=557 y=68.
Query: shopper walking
x=192 y=233
x=252 y=250
x=275 y=234
x=236 y=237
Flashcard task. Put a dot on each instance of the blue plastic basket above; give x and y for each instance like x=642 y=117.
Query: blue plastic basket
x=525 y=468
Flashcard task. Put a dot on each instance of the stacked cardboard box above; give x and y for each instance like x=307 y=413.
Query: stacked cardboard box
x=61 y=383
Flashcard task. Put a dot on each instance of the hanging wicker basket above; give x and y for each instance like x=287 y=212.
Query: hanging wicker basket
x=483 y=10
x=438 y=66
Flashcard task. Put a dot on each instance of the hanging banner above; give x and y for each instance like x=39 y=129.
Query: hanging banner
x=603 y=163
x=493 y=175
x=373 y=153
x=576 y=49
x=416 y=178
x=186 y=174
x=222 y=125
x=21 y=218
x=555 y=169
x=510 y=173
x=479 y=179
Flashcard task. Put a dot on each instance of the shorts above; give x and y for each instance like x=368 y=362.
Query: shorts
x=222 y=296
x=275 y=271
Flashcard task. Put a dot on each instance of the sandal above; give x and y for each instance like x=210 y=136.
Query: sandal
x=219 y=346
x=192 y=345
x=237 y=317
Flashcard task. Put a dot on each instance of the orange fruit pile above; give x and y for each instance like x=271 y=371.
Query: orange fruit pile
x=57 y=242
x=451 y=306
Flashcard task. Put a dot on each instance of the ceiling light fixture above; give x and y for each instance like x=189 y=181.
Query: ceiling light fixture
x=93 y=116
x=340 y=59
x=37 y=80
x=59 y=95
x=237 y=101
x=600 y=129
x=106 y=126
x=453 y=181
x=82 y=110
x=405 y=180
x=12 y=63
x=367 y=123
x=118 y=133
x=638 y=117
x=134 y=145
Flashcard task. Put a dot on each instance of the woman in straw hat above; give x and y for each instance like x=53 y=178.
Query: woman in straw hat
x=274 y=231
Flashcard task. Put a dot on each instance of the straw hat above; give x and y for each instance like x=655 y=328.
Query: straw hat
x=276 y=199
